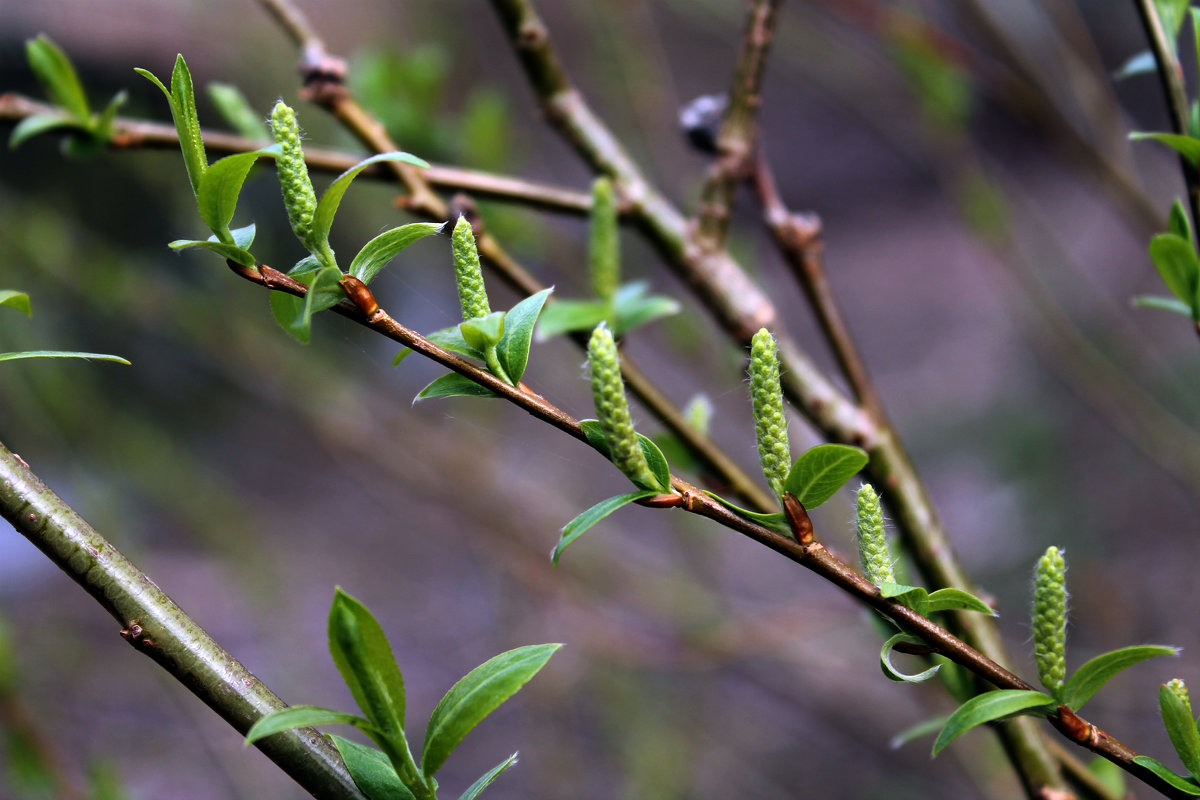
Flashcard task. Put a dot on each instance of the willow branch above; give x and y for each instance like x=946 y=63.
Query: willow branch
x=156 y=627
x=739 y=128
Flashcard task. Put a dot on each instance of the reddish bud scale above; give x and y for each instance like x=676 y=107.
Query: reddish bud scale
x=359 y=294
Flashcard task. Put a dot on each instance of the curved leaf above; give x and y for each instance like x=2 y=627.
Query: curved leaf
x=776 y=522
x=371 y=770
x=1088 y=679
x=654 y=456
x=1162 y=304
x=35 y=124
x=925 y=728
x=217 y=196
x=951 y=599
x=229 y=251
x=483 y=333
x=187 y=124
x=1179 y=224
x=327 y=206
x=632 y=308
x=102 y=125
x=1177 y=264
x=376 y=253
x=989 y=707
x=364 y=658
x=585 y=521
x=485 y=780
x=16 y=300
x=57 y=75
x=519 y=321
x=821 y=471
x=454 y=385
x=915 y=597
x=61 y=354
x=285 y=719
x=479 y=693
x=1187 y=785
x=452 y=339
x=885 y=661
x=564 y=316
x=1186 y=146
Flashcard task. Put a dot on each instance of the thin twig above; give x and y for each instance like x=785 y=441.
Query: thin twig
x=156 y=627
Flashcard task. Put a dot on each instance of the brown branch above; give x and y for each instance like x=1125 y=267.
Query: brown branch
x=739 y=128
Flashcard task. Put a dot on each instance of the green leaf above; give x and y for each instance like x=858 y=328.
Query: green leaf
x=632 y=308
x=519 y=321
x=1178 y=222
x=563 y=316
x=372 y=771
x=61 y=354
x=187 y=123
x=288 y=310
x=654 y=457
x=776 y=521
x=295 y=315
x=217 y=196
x=991 y=706
x=327 y=206
x=452 y=339
x=479 y=693
x=950 y=599
x=1163 y=304
x=924 y=728
x=1171 y=14
x=364 y=658
x=229 y=251
x=483 y=333
x=1088 y=679
x=231 y=104
x=56 y=73
x=1187 y=785
x=478 y=786
x=454 y=385
x=17 y=300
x=1186 y=146
x=1177 y=264
x=914 y=597
x=585 y=521
x=1181 y=728
x=244 y=237
x=102 y=124
x=885 y=661
x=821 y=471
x=376 y=253
x=285 y=719
x=35 y=124
x=1109 y=775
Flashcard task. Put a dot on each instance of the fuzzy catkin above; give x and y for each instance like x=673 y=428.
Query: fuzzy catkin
x=1050 y=620
x=770 y=425
x=298 y=195
x=471 y=293
x=872 y=539
x=605 y=252
x=612 y=410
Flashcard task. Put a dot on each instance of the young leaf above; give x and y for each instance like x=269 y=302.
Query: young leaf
x=585 y=521
x=56 y=73
x=885 y=661
x=513 y=348
x=324 y=292
x=1088 y=679
x=300 y=717
x=1178 y=222
x=1186 y=146
x=238 y=113
x=187 y=123
x=454 y=385
x=479 y=693
x=376 y=253
x=483 y=333
x=364 y=658
x=371 y=770
x=485 y=780
x=632 y=308
x=1186 y=785
x=61 y=354
x=821 y=471
x=950 y=599
x=1163 y=304
x=39 y=123
x=563 y=316
x=327 y=206
x=217 y=196
x=16 y=300
x=229 y=251
x=914 y=597
x=1177 y=264
x=1181 y=728
x=654 y=457
x=1171 y=13
x=776 y=522
x=991 y=706
x=452 y=339
x=925 y=728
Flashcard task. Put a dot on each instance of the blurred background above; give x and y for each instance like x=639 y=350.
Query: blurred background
x=985 y=227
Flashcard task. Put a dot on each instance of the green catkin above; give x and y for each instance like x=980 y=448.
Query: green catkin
x=1050 y=620
x=605 y=243
x=872 y=540
x=612 y=410
x=298 y=196
x=467 y=272
x=1178 y=688
x=770 y=425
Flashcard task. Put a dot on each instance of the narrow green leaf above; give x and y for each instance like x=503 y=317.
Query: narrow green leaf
x=16 y=300
x=776 y=521
x=1088 y=679
x=1181 y=728
x=1178 y=222
x=300 y=717
x=1177 y=264
x=372 y=771
x=479 y=693
x=989 y=707
x=564 y=316
x=229 y=251
x=364 y=658
x=914 y=597
x=324 y=292
x=102 y=124
x=885 y=661
x=1187 y=785
x=231 y=104
x=1163 y=304
x=585 y=521
x=950 y=599
x=925 y=728
x=61 y=354
x=821 y=471
x=376 y=253
x=36 y=124
x=327 y=206
x=485 y=780
x=1186 y=146
x=187 y=124
x=217 y=196
x=632 y=308
x=57 y=74
x=654 y=457
x=519 y=321
x=454 y=385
